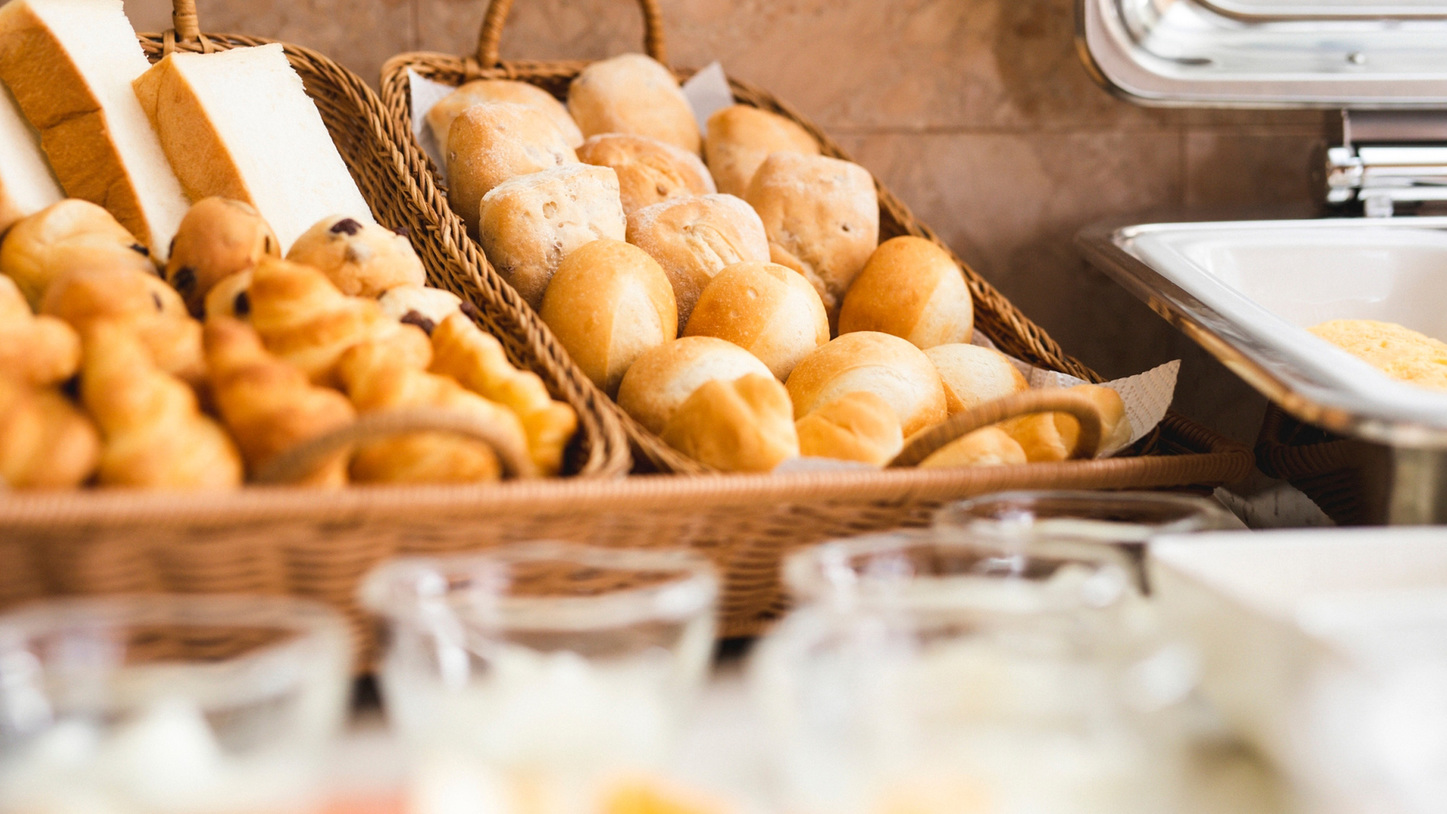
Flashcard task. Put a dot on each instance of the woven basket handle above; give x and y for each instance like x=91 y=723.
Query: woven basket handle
x=185 y=27
x=496 y=18
x=1049 y=400
x=299 y=461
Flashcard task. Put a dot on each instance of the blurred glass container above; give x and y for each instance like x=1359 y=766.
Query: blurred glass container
x=169 y=704
x=536 y=677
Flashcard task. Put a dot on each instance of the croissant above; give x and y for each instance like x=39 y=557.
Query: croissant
x=45 y=442
x=378 y=376
x=37 y=350
x=476 y=360
x=268 y=405
x=306 y=321
x=67 y=236
x=155 y=435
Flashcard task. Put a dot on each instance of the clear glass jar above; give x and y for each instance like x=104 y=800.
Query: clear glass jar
x=162 y=704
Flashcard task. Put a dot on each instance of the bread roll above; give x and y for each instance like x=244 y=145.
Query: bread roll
x=26 y=183
x=218 y=237
x=496 y=142
x=744 y=425
x=361 y=259
x=70 y=235
x=1052 y=436
x=910 y=288
x=989 y=446
x=741 y=137
x=419 y=305
x=35 y=350
x=530 y=224
x=973 y=375
x=649 y=171
x=608 y=303
x=231 y=297
x=633 y=94
x=45 y=442
x=858 y=426
x=768 y=310
x=878 y=363
x=695 y=238
x=822 y=218
x=664 y=377
x=480 y=91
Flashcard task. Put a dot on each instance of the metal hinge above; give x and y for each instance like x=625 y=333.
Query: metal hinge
x=1388 y=162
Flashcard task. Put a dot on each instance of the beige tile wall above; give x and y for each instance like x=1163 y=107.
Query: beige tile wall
x=978 y=113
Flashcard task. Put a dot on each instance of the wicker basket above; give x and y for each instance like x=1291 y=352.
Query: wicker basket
x=1346 y=478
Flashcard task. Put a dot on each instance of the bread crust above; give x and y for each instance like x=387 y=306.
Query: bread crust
x=973 y=375
x=740 y=137
x=496 y=142
x=766 y=309
x=743 y=425
x=632 y=93
x=663 y=378
x=479 y=91
x=879 y=363
x=910 y=288
x=649 y=170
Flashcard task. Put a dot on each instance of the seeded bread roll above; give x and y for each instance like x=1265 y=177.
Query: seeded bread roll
x=420 y=305
x=973 y=375
x=495 y=142
x=879 y=363
x=218 y=237
x=480 y=91
x=361 y=259
x=67 y=236
x=608 y=303
x=744 y=425
x=696 y=238
x=530 y=224
x=1052 y=436
x=989 y=446
x=648 y=170
x=768 y=310
x=633 y=94
x=910 y=288
x=741 y=137
x=859 y=426
x=822 y=218
x=663 y=378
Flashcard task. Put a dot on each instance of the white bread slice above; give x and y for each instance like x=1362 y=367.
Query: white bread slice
x=26 y=184
x=239 y=124
x=70 y=64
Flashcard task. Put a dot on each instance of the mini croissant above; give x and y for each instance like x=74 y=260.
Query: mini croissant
x=306 y=321
x=45 y=442
x=37 y=350
x=155 y=435
x=378 y=377
x=268 y=405
x=476 y=359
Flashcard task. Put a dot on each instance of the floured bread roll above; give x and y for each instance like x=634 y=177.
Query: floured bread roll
x=766 y=309
x=419 y=305
x=218 y=237
x=664 y=377
x=879 y=363
x=1052 y=436
x=66 y=236
x=695 y=238
x=633 y=94
x=530 y=224
x=822 y=218
x=361 y=259
x=858 y=426
x=36 y=350
x=608 y=303
x=496 y=142
x=910 y=288
x=649 y=171
x=45 y=442
x=989 y=446
x=480 y=91
x=743 y=425
x=142 y=302
x=973 y=375
x=740 y=137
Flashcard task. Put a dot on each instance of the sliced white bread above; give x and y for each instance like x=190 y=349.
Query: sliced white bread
x=26 y=183
x=239 y=124
x=70 y=64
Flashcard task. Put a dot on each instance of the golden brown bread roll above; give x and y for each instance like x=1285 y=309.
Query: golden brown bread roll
x=306 y=321
x=479 y=91
x=879 y=363
x=766 y=309
x=649 y=171
x=822 y=218
x=530 y=224
x=495 y=142
x=155 y=435
x=1052 y=436
x=988 y=446
x=743 y=425
x=664 y=377
x=476 y=360
x=63 y=237
x=740 y=137
x=857 y=426
x=362 y=260
x=419 y=305
x=218 y=237
x=231 y=297
x=34 y=349
x=973 y=375
x=377 y=378
x=695 y=238
x=608 y=303
x=633 y=94
x=45 y=442
x=910 y=288
x=268 y=405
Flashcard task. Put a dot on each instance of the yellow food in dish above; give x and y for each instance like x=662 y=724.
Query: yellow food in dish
x=1399 y=352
